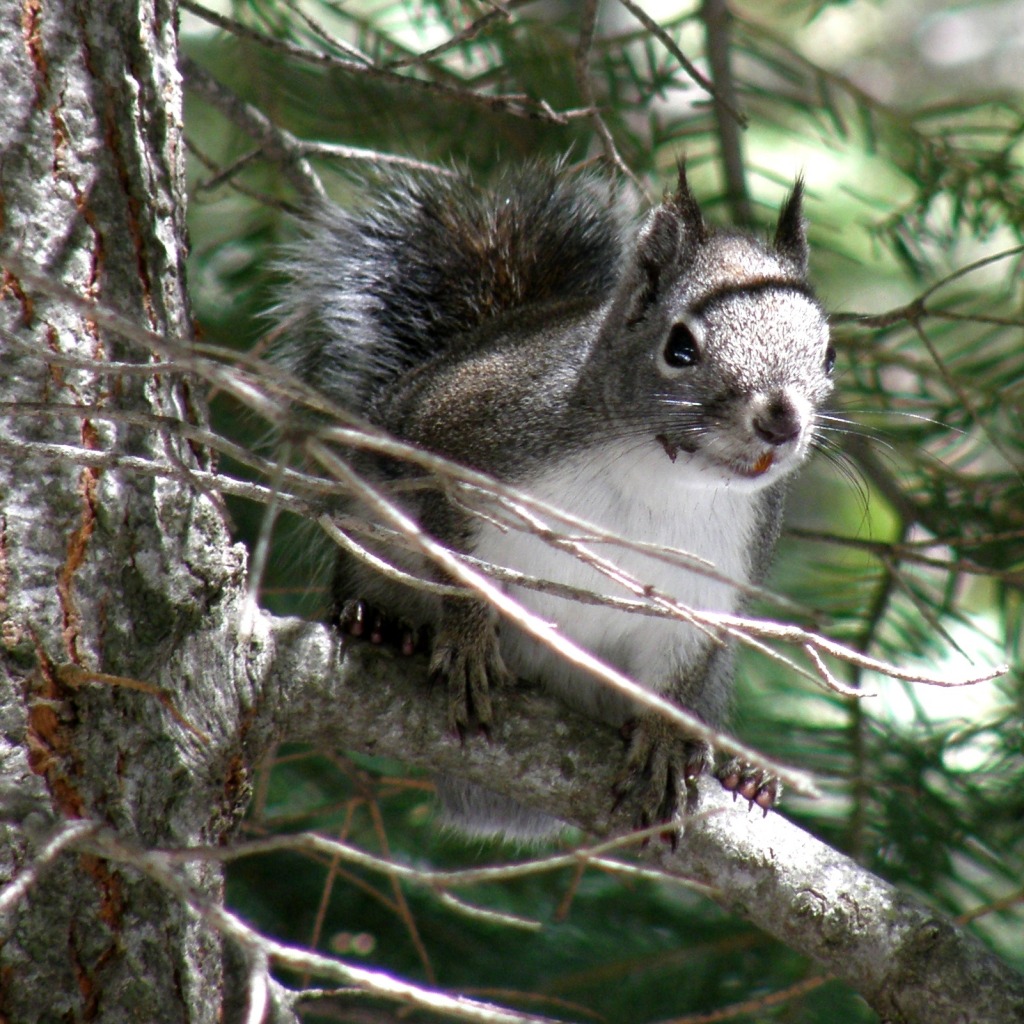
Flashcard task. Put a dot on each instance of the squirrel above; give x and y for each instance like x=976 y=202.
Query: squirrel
x=659 y=379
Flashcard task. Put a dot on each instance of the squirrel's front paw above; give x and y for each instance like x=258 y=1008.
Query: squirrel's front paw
x=753 y=784
x=659 y=766
x=470 y=671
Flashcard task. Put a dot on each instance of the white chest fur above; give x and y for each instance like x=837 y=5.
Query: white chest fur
x=639 y=494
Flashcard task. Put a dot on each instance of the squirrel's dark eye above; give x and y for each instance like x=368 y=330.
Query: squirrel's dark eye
x=681 y=349
x=830 y=359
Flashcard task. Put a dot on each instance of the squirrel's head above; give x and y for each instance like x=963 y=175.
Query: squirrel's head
x=725 y=349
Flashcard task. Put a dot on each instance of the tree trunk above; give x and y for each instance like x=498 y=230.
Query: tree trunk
x=100 y=571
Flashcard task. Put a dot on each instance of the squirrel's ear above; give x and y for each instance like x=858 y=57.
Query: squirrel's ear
x=675 y=225
x=657 y=248
x=671 y=230
x=791 y=231
x=658 y=241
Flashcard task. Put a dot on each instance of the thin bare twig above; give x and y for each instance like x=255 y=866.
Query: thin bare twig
x=75 y=676
x=439 y=880
x=756 y=1005
x=588 y=26
x=280 y=145
x=804 y=637
x=260 y=950
x=222 y=175
x=659 y=33
x=227 y=176
x=66 y=835
x=371 y=156
x=918 y=308
x=402 y=909
x=392 y=572
x=328 y=37
x=502 y=12
x=516 y=104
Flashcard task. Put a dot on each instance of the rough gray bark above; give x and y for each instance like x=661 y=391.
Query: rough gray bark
x=134 y=576
x=97 y=570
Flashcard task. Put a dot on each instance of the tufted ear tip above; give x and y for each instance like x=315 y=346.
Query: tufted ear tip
x=683 y=203
x=791 y=231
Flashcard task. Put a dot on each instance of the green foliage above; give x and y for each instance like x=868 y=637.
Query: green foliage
x=907 y=537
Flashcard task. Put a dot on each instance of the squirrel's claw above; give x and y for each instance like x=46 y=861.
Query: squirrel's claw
x=754 y=784
x=352 y=618
x=659 y=766
x=470 y=674
x=363 y=621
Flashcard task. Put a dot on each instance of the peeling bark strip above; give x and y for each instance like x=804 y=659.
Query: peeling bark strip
x=12 y=286
x=31 y=15
x=50 y=746
x=74 y=559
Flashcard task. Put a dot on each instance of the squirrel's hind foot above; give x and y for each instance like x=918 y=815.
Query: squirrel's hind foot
x=659 y=768
x=364 y=621
x=467 y=660
x=755 y=785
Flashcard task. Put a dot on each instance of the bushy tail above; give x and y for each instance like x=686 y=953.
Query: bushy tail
x=375 y=292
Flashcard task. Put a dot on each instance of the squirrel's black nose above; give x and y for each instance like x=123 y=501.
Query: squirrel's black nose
x=778 y=423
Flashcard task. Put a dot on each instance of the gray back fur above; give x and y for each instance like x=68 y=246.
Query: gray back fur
x=377 y=291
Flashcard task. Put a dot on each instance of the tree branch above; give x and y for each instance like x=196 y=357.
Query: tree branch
x=909 y=962
x=716 y=17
